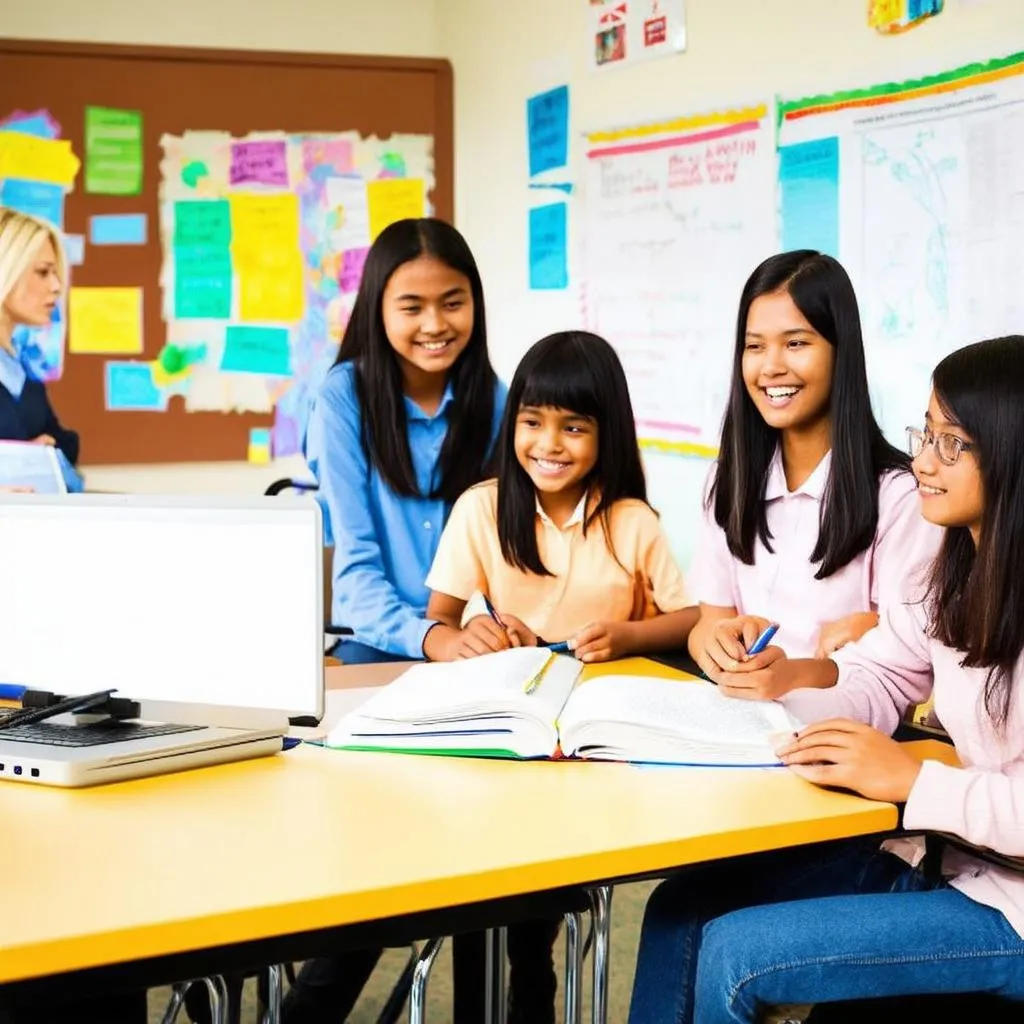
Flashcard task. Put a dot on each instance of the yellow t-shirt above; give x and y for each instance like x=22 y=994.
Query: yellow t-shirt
x=587 y=585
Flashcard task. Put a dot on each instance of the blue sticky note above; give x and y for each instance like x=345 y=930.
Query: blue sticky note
x=202 y=282
x=547 y=121
x=74 y=249
x=118 y=229
x=39 y=123
x=37 y=198
x=809 y=181
x=548 y=263
x=264 y=350
x=130 y=386
x=917 y=9
x=260 y=437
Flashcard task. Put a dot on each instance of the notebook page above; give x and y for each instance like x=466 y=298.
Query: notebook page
x=476 y=687
x=670 y=709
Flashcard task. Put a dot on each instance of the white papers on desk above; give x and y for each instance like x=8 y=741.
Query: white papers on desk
x=35 y=467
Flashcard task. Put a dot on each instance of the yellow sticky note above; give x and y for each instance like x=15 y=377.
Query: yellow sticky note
x=263 y=224
x=34 y=159
x=394 y=199
x=105 y=320
x=884 y=12
x=271 y=290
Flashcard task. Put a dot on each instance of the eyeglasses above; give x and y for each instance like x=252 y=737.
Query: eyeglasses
x=948 y=447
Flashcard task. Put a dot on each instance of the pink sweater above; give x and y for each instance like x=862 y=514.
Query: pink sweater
x=899 y=664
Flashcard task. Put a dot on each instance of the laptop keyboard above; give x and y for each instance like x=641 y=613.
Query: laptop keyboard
x=88 y=735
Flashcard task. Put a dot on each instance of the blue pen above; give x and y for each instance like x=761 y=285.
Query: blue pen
x=562 y=647
x=493 y=614
x=8 y=691
x=763 y=640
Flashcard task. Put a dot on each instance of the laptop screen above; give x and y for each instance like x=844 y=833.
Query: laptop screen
x=196 y=601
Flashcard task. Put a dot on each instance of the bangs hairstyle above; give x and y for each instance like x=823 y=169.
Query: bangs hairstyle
x=379 y=384
x=21 y=238
x=976 y=594
x=821 y=290
x=578 y=372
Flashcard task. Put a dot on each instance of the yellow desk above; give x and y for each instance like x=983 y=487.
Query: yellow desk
x=315 y=838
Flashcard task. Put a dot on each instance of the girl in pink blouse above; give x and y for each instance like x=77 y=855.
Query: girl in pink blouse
x=848 y=920
x=811 y=520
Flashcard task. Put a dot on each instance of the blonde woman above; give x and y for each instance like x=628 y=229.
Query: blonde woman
x=32 y=276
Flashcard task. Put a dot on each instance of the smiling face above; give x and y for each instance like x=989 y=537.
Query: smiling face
x=950 y=495
x=427 y=309
x=558 y=450
x=35 y=294
x=787 y=365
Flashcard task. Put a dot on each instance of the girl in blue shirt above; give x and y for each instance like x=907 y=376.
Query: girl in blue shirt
x=404 y=422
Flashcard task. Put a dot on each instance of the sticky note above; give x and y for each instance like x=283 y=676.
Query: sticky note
x=547 y=119
x=113 y=151
x=262 y=223
x=259 y=445
x=118 y=229
x=202 y=283
x=265 y=350
x=74 y=249
x=548 y=249
x=352 y=263
x=36 y=198
x=130 y=387
x=105 y=320
x=272 y=290
x=394 y=199
x=39 y=123
x=264 y=163
x=34 y=159
x=202 y=222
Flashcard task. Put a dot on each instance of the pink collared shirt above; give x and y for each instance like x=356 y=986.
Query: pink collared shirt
x=780 y=585
x=899 y=664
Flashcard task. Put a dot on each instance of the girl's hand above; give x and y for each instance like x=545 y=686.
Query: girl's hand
x=519 y=634
x=601 y=641
x=838 y=752
x=482 y=635
x=725 y=647
x=844 y=631
x=777 y=676
x=45 y=439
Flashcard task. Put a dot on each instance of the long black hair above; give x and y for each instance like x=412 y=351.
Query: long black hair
x=464 y=454
x=821 y=290
x=579 y=372
x=977 y=593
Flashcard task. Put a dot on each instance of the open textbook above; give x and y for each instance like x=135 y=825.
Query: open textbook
x=529 y=703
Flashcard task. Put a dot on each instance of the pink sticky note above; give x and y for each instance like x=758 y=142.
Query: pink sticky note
x=327 y=156
x=264 y=163
x=352 y=269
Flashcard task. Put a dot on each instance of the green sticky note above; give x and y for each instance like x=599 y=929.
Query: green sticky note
x=113 y=151
x=202 y=281
x=264 y=350
x=205 y=222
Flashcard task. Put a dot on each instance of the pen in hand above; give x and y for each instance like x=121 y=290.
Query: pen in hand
x=493 y=614
x=763 y=640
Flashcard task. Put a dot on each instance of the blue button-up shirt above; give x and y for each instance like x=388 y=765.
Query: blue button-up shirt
x=384 y=543
x=12 y=373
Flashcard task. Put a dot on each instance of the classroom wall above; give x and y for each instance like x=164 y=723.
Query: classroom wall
x=390 y=27
x=738 y=53
x=384 y=27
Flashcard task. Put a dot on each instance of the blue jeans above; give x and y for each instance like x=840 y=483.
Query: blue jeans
x=833 y=921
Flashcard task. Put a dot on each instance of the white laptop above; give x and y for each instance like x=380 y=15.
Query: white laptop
x=208 y=612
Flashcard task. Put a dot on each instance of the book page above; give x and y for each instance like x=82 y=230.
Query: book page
x=477 y=687
x=642 y=718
